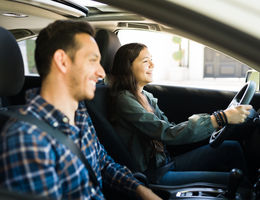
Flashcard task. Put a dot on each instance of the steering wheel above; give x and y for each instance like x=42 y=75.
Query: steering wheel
x=244 y=96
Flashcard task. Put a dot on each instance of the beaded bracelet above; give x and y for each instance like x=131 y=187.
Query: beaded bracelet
x=221 y=118
x=225 y=117
x=217 y=119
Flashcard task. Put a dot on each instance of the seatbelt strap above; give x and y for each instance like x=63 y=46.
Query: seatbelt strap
x=58 y=135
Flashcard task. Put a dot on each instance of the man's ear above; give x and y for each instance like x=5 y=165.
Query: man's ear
x=61 y=60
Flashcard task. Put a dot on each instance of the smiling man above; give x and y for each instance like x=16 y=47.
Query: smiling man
x=68 y=61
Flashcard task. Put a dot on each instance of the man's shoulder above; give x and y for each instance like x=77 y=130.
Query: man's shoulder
x=18 y=131
x=15 y=127
x=21 y=140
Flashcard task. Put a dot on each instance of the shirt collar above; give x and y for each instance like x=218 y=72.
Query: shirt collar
x=152 y=100
x=31 y=93
x=48 y=112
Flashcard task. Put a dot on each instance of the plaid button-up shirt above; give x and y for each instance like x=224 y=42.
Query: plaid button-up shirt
x=34 y=162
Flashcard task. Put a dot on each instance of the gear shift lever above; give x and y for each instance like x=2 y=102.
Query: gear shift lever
x=235 y=178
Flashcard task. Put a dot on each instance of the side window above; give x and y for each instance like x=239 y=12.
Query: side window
x=182 y=62
x=27 y=48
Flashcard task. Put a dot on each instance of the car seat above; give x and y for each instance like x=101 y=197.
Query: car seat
x=11 y=67
x=11 y=82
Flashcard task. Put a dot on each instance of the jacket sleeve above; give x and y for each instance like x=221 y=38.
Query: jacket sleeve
x=197 y=128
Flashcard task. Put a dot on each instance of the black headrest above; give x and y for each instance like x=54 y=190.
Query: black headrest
x=108 y=44
x=11 y=65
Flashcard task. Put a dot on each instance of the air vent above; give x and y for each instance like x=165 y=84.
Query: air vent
x=22 y=33
x=142 y=26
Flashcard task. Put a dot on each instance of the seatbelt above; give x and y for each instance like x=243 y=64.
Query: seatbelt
x=58 y=135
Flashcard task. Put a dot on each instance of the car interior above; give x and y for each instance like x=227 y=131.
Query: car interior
x=13 y=84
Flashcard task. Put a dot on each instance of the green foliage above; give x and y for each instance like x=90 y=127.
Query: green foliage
x=176 y=40
x=178 y=55
x=30 y=47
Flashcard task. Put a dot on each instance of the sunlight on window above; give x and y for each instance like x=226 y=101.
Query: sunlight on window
x=27 y=48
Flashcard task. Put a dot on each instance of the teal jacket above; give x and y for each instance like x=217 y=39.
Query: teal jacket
x=137 y=128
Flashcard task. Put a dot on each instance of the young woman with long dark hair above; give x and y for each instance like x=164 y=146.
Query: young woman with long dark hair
x=145 y=129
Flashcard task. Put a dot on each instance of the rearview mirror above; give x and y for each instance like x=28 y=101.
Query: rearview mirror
x=253 y=75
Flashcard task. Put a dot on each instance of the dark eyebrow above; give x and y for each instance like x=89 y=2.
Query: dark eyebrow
x=95 y=55
x=149 y=57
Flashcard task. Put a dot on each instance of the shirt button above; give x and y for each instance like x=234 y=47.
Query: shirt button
x=92 y=190
x=55 y=124
x=65 y=119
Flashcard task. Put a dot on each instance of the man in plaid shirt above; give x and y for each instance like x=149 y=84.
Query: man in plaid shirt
x=68 y=61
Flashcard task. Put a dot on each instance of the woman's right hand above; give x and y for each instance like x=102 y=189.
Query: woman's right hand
x=237 y=114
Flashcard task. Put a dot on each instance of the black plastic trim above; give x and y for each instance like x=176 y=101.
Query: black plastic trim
x=73 y=5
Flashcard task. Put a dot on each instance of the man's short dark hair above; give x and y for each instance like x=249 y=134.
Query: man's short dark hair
x=58 y=35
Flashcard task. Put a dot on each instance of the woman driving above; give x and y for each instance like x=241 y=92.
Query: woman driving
x=145 y=129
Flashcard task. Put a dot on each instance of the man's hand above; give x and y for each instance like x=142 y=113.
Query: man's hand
x=146 y=194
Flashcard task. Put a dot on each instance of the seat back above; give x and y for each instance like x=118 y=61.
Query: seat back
x=99 y=112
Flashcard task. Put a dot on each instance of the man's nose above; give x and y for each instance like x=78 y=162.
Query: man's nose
x=151 y=64
x=101 y=72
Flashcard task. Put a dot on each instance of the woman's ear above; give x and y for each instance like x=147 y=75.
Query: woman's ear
x=61 y=60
